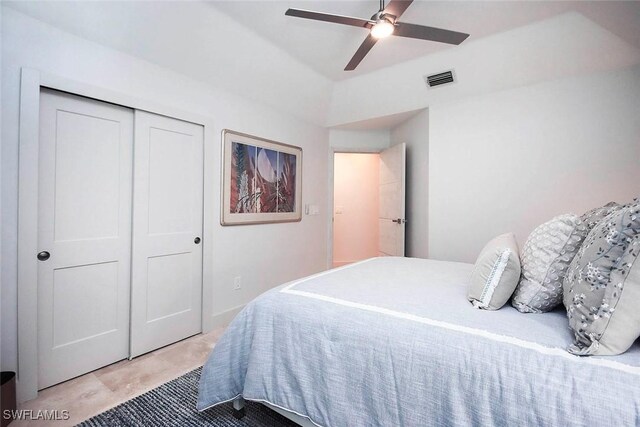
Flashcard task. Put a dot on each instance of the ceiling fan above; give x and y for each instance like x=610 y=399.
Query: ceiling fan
x=382 y=24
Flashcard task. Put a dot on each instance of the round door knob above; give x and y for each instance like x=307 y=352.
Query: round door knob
x=43 y=256
x=196 y=240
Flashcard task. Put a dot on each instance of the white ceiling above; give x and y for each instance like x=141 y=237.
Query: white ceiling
x=324 y=47
x=250 y=48
x=327 y=47
x=190 y=38
x=564 y=46
x=388 y=121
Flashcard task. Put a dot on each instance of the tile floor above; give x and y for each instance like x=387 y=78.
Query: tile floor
x=97 y=391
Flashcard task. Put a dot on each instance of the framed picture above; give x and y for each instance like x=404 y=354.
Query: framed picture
x=261 y=181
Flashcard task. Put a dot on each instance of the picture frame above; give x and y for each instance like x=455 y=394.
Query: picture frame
x=261 y=180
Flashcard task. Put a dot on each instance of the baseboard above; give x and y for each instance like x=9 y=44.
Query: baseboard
x=224 y=318
x=341 y=263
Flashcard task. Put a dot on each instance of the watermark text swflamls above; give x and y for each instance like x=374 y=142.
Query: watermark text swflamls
x=40 y=414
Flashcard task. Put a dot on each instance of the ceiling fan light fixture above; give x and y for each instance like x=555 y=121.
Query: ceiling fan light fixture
x=382 y=28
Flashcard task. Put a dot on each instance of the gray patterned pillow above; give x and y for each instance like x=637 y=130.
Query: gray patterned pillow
x=594 y=216
x=545 y=257
x=602 y=287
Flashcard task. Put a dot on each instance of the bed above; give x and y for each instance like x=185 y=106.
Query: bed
x=394 y=342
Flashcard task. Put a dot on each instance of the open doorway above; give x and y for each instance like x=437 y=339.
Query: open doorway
x=356 y=204
x=368 y=205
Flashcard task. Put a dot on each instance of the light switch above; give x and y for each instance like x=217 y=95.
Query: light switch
x=311 y=209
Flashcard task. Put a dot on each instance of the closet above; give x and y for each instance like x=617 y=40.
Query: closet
x=120 y=201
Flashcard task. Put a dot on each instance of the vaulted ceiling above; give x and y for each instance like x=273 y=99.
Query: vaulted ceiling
x=327 y=47
x=324 y=47
x=252 y=49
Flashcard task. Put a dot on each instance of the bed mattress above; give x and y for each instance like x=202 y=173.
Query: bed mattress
x=394 y=342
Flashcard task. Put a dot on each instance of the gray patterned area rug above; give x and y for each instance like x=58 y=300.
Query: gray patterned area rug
x=174 y=404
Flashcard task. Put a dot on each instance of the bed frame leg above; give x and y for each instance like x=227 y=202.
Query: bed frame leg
x=239 y=410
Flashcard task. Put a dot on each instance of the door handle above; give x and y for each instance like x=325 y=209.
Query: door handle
x=399 y=221
x=43 y=256
x=196 y=240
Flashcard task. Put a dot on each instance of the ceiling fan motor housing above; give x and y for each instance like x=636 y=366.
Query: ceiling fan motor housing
x=381 y=17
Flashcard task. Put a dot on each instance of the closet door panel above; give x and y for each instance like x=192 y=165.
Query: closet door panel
x=84 y=235
x=171 y=177
x=167 y=219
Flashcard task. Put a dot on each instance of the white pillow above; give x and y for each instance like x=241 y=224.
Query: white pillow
x=496 y=273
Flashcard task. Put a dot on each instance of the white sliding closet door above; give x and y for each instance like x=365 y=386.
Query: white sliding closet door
x=166 y=275
x=84 y=235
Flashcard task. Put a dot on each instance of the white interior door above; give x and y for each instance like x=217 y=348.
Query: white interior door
x=84 y=235
x=166 y=274
x=392 y=201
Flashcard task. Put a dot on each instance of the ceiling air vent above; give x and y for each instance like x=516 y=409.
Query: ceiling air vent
x=439 y=79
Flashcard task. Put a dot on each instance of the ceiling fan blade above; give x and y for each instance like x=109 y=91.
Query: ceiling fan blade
x=397 y=7
x=429 y=33
x=362 y=51
x=326 y=17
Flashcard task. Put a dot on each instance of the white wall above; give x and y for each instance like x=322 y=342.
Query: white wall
x=300 y=248
x=363 y=140
x=356 y=198
x=510 y=160
x=415 y=133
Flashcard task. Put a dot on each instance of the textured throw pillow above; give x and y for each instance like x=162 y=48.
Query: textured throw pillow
x=545 y=257
x=496 y=273
x=602 y=287
x=594 y=216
